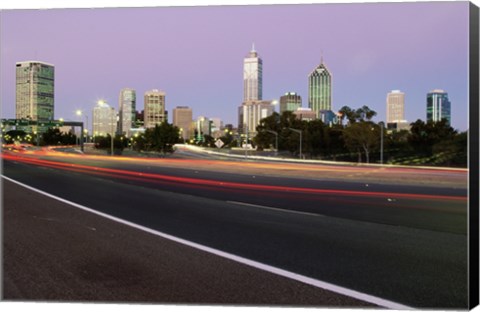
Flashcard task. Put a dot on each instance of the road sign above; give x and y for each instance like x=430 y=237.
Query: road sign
x=219 y=143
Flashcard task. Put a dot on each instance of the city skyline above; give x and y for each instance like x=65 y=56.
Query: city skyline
x=201 y=69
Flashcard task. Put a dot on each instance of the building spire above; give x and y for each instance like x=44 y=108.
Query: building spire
x=253 y=47
x=321 y=57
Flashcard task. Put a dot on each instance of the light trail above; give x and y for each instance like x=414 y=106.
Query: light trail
x=314 y=171
x=152 y=177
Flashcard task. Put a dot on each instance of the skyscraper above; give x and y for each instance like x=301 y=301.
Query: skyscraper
x=290 y=102
x=252 y=76
x=154 y=108
x=253 y=108
x=438 y=106
x=182 y=118
x=320 y=89
x=126 y=111
x=104 y=119
x=34 y=91
x=395 y=106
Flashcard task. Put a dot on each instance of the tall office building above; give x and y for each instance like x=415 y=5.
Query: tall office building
x=320 y=89
x=250 y=114
x=154 y=108
x=104 y=119
x=438 y=106
x=252 y=76
x=396 y=111
x=253 y=108
x=290 y=102
x=126 y=111
x=35 y=83
x=182 y=118
x=395 y=106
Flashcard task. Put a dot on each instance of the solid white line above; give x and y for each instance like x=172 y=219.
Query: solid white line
x=294 y=276
x=276 y=209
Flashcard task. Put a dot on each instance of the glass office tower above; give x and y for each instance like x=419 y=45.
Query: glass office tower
x=438 y=106
x=127 y=111
x=34 y=91
x=320 y=89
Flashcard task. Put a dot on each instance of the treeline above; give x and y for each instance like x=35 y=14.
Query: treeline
x=52 y=136
x=159 y=139
x=358 y=139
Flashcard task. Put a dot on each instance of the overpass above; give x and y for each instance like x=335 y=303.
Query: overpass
x=47 y=124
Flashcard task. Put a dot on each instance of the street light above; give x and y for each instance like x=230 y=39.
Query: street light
x=276 y=140
x=381 y=142
x=299 y=132
x=79 y=113
x=113 y=123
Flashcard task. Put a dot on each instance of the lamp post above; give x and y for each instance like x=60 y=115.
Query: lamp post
x=299 y=132
x=111 y=135
x=80 y=113
x=381 y=142
x=246 y=141
x=276 y=140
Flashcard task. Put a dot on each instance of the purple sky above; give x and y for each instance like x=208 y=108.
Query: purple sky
x=195 y=54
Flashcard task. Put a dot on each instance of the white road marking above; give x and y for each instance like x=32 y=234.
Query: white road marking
x=258 y=265
x=276 y=209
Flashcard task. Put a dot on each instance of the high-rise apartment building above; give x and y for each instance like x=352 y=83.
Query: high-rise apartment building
x=252 y=76
x=182 y=118
x=395 y=106
x=126 y=111
x=104 y=119
x=35 y=83
x=290 y=102
x=320 y=89
x=438 y=106
x=154 y=108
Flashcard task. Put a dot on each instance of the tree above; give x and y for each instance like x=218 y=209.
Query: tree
x=315 y=137
x=362 y=136
x=53 y=136
x=365 y=113
x=334 y=141
x=163 y=137
x=350 y=114
x=208 y=141
x=396 y=145
x=227 y=138
x=287 y=139
x=423 y=136
x=14 y=135
x=265 y=139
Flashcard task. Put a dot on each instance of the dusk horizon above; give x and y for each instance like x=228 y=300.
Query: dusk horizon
x=195 y=54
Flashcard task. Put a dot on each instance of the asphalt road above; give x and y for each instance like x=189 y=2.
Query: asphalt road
x=54 y=252
x=399 y=239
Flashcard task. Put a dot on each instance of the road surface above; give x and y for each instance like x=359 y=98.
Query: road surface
x=395 y=234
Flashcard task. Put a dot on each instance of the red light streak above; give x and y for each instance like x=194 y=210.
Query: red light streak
x=152 y=177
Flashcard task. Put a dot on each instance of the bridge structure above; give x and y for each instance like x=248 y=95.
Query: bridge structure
x=28 y=123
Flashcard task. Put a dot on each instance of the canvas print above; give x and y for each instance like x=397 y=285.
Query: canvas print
x=305 y=155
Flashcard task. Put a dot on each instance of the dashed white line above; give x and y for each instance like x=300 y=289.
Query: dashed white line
x=276 y=209
x=261 y=266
